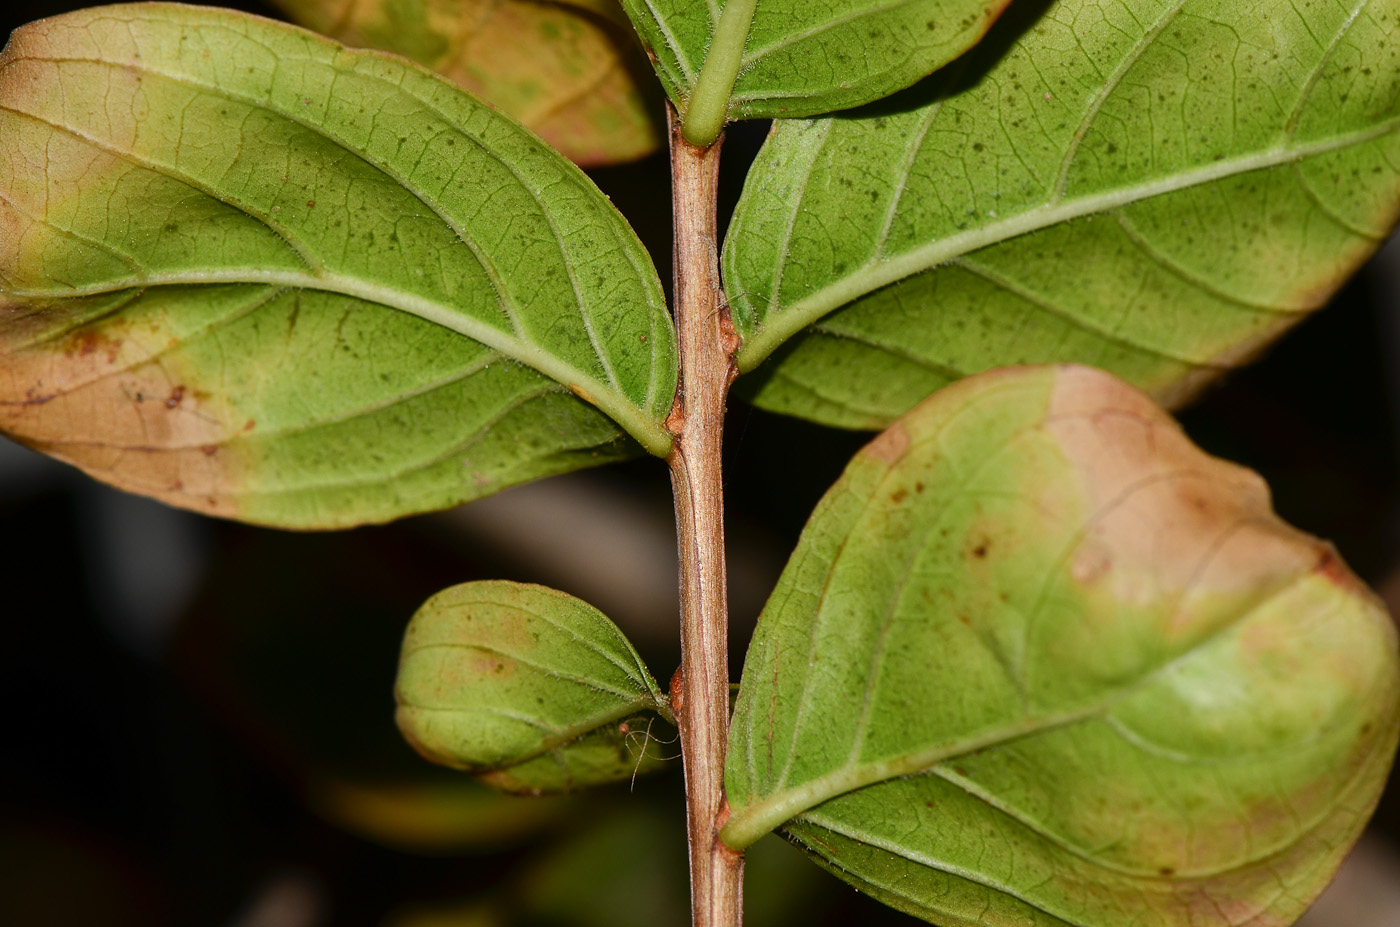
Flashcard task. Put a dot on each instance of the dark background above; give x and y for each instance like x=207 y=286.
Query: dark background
x=196 y=716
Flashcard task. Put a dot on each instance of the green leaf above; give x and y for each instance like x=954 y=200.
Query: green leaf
x=746 y=59
x=531 y=689
x=1158 y=188
x=1039 y=660
x=571 y=72
x=246 y=270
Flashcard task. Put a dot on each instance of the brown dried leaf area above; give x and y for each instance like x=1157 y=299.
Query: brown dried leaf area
x=113 y=398
x=572 y=72
x=1169 y=522
x=1278 y=648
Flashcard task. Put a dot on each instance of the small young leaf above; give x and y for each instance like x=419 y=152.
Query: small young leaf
x=1038 y=659
x=1158 y=188
x=246 y=270
x=783 y=58
x=572 y=71
x=531 y=689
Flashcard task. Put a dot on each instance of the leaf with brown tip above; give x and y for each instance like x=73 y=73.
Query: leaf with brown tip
x=1039 y=660
x=246 y=270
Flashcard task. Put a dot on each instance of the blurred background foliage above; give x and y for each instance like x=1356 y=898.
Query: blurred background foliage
x=198 y=718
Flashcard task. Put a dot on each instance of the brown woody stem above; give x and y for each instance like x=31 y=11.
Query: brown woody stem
x=707 y=343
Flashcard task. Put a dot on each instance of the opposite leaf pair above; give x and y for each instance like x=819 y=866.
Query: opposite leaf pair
x=251 y=272
x=1037 y=659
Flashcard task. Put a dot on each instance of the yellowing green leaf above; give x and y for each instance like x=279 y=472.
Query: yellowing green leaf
x=1039 y=660
x=573 y=72
x=246 y=270
x=783 y=58
x=530 y=689
x=1157 y=188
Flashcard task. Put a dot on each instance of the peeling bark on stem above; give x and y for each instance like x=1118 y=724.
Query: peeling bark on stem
x=707 y=343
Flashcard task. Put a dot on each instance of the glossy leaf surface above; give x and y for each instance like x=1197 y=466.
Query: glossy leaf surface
x=531 y=689
x=1039 y=660
x=572 y=72
x=802 y=59
x=1158 y=188
x=246 y=270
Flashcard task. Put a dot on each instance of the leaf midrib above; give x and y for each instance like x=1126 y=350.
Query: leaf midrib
x=558 y=737
x=778 y=327
x=749 y=823
x=609 y=397
x=923 y=860
x=382 y=165
x=650 y=434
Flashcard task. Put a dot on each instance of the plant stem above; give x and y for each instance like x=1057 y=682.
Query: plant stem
x=701 y=693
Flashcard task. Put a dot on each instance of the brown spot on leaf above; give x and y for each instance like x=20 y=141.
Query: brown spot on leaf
x=176 y=396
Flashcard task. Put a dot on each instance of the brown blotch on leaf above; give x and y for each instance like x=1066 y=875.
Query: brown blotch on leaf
x=108 y=399
x=890 y=445
x=1164 y=518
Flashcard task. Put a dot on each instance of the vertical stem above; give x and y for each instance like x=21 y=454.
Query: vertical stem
x=707 y=343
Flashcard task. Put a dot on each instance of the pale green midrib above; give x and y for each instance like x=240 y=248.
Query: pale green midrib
x=542 y=668
x=382 y=165
x=651 y=434
x=270 y=296
x=54 y=449
x=777 y=327
x=1363 y=768
x=751 y=822
x=708 y=107
x=1282 y=844
x=601 y=623
x=561 y=737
